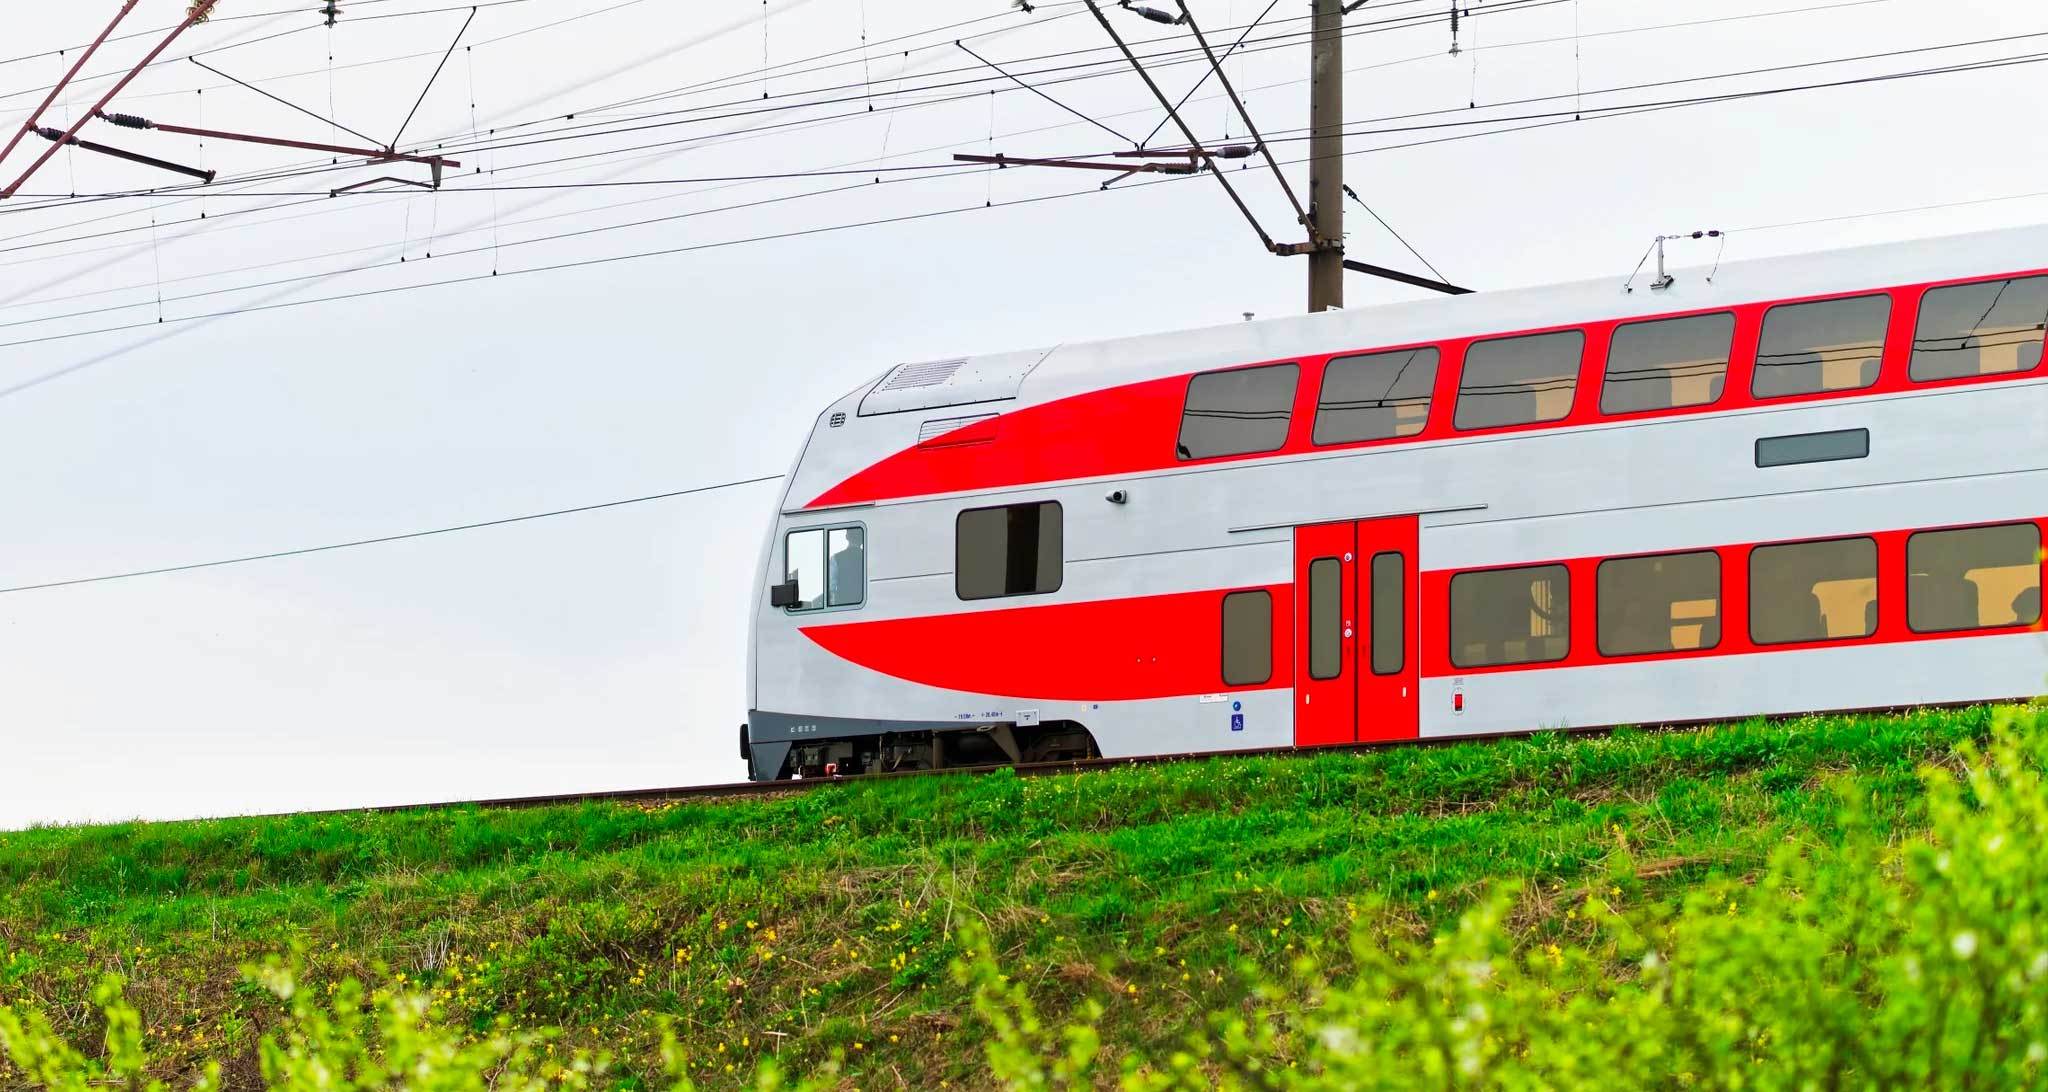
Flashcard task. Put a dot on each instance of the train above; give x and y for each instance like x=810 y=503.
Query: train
x=1789 y=485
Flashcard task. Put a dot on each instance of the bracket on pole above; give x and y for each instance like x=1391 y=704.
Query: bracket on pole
x=434 y=163
x=1195 y=158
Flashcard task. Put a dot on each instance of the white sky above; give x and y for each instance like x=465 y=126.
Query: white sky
x=605 y=650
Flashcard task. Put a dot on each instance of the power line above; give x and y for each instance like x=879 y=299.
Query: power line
x=381 y=539
x=1550 y=119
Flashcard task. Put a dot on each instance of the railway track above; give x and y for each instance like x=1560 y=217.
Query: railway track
x=1043 y=769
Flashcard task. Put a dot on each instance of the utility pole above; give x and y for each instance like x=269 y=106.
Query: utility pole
x=1326 y=155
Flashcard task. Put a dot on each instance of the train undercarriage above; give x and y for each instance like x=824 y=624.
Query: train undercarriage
x=900 y=752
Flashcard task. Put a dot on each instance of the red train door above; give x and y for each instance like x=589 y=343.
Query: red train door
x=1389 y=678
x=1326 y=665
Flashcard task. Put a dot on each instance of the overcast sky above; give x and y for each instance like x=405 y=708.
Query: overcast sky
x=605 y=650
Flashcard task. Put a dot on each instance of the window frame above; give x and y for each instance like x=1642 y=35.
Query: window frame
x=1188 y=389
x=1727 y=364
x=1749 y=589
x=1059 y=583
x=1763 y=325
x=1465 y=371
x=1451 y=622
x=826 y=530
x=1429 y=399
x=2040 y=542
x=1372 y=619
x=1337 y=620
x=1720 y=603
x=1920 y=313
x=1223 y=663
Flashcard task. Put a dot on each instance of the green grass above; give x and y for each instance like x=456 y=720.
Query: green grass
x=827 y=920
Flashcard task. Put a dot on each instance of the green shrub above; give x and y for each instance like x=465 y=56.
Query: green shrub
x=1867 y=962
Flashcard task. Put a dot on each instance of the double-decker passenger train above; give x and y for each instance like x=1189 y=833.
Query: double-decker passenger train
x=1802 y=484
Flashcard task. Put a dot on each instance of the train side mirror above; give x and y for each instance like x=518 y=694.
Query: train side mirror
x=783 y=594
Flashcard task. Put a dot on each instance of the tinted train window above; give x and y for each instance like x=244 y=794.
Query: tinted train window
x=829 y=565
x=1012 y=550
x=1510 y=616
x=1247 y=638
x=1827 y=345
x=1973 y=578
x=1325 y=622
x=1375 y=397
x=1237 y=412
x=1813 y=591
x=1668 y=603
x=1980 y=329
x=1667 y=363
x=1519 y=380
x=1389 y=612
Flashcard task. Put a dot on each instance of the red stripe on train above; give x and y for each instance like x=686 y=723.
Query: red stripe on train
x=1134 y=428
x=1153 y=646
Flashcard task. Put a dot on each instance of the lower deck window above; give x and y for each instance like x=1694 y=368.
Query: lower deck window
x=1510 y=616
x=1813 y=591
x=1666 y=603
x=1247 y=638
x=1973 y=578
x=1011 y=550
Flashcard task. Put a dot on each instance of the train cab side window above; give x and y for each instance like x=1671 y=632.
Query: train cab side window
x=1011 y=550
x=1826 y=345
x=1241 y=411
x=1813 y=591
x=1510 y=616
x=828 y=566
x=1667 y=363
x=1666 y=603
x=1980 y=329
x=1375 y=397
x=1519 y=380
x=1247 y=638
x=1973 y=578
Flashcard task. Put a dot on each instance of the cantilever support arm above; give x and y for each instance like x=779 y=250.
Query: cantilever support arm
x=198 y=12
x=35 y=115
x=373 y=155
x=1264 y=239
x=56 y=137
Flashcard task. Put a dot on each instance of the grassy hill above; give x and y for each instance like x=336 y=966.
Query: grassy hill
x=893 y=925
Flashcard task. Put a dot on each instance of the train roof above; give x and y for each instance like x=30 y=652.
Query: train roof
x=1003 y=381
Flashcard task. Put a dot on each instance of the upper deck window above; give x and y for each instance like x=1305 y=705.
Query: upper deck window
x=1375 y=397
x=1667 y=363
x=1241 y=411
x=1980 y=329
x=1826 y=345
x=1519 y=380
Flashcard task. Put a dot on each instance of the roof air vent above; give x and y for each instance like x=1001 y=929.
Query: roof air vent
x=835 y=420
x=928 y=374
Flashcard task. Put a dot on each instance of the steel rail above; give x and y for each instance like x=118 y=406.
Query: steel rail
x=1045 y=769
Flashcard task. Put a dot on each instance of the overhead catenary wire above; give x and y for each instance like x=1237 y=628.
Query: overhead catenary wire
x=936 y=166
x=302 y=551
x=1633 y=107
x=1653 y=27
x=718 y=244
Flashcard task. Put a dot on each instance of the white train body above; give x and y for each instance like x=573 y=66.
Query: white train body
x=1703 y=501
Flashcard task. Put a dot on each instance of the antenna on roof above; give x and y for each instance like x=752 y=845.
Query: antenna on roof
x=1664 y=279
